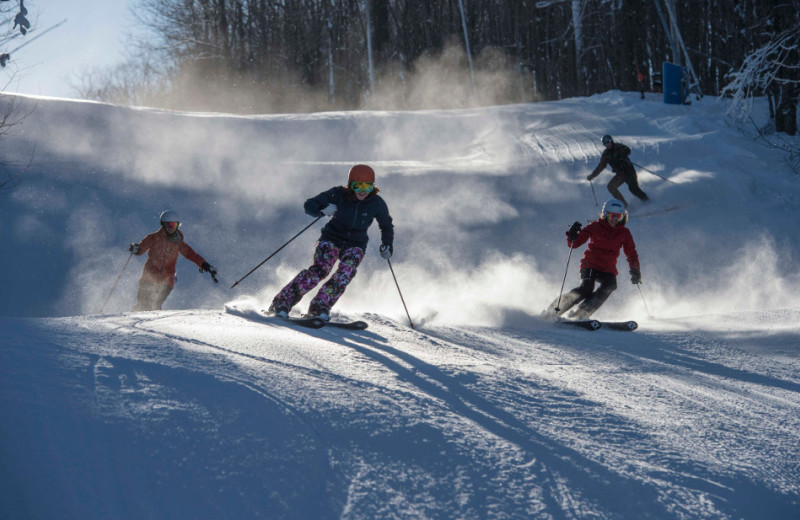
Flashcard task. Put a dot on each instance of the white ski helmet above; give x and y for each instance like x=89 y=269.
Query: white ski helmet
x=169 y=216
x=614 y=206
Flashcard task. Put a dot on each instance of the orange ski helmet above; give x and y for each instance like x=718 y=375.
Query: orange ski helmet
x=361 y=173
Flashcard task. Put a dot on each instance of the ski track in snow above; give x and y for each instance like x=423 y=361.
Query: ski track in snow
x=519 y=419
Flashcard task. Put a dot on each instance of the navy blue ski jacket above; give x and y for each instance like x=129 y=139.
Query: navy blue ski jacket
x=348 y=226
x=615 y=156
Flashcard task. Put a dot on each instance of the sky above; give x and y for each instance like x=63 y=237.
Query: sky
x=209 y=410
x=91 y=37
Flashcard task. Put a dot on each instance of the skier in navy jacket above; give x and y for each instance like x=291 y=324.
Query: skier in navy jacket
x=352 y=209
x=616 y=155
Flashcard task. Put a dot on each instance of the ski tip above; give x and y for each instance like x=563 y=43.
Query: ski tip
x=621 y=325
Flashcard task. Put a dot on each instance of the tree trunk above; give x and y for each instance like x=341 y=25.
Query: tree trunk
x=786 y=113
x=577 y=26
x=370 y=64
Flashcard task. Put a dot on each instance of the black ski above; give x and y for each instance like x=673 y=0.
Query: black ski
x=302 y=321
x=352 y=325
x=311 y=323
x=620 y=325
x=266 y=317
x=584 y=324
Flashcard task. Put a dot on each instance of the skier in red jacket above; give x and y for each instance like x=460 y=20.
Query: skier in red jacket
x=162 y=248
x=606 y=236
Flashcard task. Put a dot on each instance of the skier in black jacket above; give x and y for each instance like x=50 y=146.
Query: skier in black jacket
x=616 y=156
x=352 y=209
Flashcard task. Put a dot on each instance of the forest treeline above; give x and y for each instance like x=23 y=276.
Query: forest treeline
x=270 y=55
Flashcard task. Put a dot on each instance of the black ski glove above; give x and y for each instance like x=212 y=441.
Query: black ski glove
x=572 y=234
x=208 y=268
x=386 y=251
x=636 y=276
x=135 y=248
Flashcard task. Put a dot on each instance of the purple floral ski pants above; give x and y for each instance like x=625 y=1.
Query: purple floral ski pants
x=325 y=256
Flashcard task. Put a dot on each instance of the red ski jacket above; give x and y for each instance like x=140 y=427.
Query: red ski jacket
x=162 y=256
x=605 y=241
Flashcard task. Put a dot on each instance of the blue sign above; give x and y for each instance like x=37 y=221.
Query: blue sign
x=673 y=84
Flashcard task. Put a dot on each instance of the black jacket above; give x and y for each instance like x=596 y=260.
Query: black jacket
x=348 y=226
x=615 y=156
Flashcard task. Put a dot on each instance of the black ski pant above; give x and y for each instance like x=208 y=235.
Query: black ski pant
x=630 y=178
x=151 y=296
x=589 y=299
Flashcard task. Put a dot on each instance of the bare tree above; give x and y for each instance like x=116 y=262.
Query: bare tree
x=135 y=81
x=772 y=70
x=16 y=24
x=11 y=173
x=208 y=52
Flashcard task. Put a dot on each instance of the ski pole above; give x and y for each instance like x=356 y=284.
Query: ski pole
x=115 y=283
x=651 y=172
x=400 y=293
x=558 y=304
x=276 y=252
x=644 y=302
x=593 y=193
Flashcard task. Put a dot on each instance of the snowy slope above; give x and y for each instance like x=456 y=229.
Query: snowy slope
x=202 y=414
x=483 y=411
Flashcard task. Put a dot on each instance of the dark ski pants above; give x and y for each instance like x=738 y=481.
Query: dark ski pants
x=632 y=181
x=589 y=299
x=151 y=296
x=325 y=257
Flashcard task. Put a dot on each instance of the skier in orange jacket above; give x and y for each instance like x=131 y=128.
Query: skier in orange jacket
x=162 y=248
